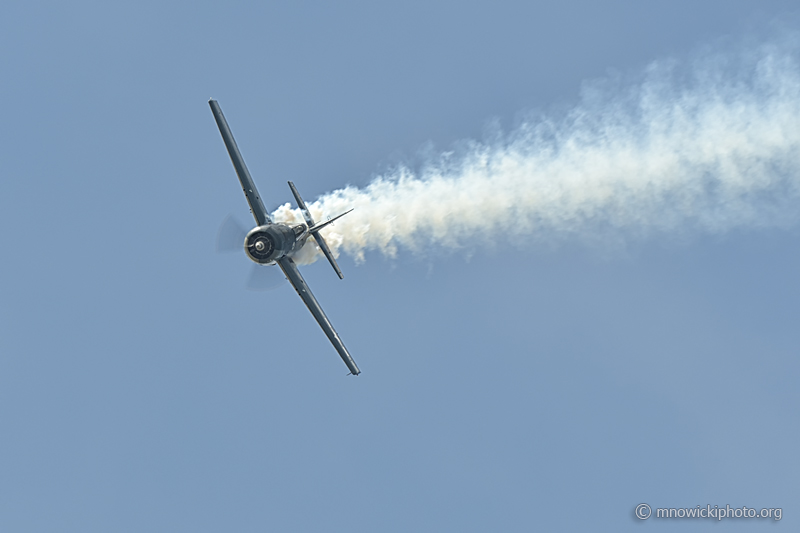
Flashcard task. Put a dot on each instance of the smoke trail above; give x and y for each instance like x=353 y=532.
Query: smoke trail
x=709 y=147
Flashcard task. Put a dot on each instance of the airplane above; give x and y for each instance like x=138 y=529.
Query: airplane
x=271 y=243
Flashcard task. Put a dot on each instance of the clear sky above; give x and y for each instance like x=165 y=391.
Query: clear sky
x=521 y=384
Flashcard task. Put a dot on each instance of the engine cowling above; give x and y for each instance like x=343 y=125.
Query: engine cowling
x=266 y=244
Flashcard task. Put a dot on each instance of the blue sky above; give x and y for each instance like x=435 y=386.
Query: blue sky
x=520 y=386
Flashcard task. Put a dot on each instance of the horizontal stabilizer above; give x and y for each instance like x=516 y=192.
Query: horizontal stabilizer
x=302 y=205
x=327 y=251
x=324 y=246
x=313 y=229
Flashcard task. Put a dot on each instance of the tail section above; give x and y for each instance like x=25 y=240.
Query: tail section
x=313 y=229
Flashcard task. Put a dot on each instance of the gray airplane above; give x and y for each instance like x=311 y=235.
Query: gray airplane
x=271 y=243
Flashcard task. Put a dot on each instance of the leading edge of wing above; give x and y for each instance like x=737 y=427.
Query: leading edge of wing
x=249 y=188
x=293 y=275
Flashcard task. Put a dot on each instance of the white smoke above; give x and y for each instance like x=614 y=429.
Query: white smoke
x=707 y=146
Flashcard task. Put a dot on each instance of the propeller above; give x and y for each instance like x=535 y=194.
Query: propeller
x=230 y=238
x=265 y=277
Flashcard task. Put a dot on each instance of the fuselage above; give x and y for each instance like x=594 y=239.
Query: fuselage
x=270 y=242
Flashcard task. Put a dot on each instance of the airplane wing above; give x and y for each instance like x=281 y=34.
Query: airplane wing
x=293 y=275
x=249 y=188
